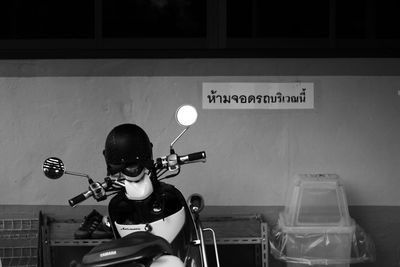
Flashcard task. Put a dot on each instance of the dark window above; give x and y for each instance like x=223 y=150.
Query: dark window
x=154 y=18
x=46 y=19
x=351 y=18
x=239 y=18
x=388 y=19
x=278 y=19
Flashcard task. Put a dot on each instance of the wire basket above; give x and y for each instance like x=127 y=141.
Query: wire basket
x=18 y=242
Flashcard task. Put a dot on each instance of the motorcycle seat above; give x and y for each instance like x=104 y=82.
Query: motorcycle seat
x=133 y=247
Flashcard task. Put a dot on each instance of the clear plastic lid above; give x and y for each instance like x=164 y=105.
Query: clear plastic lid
x=316 y=200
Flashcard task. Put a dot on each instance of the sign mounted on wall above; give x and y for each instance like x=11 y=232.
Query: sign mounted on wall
x=243 y=95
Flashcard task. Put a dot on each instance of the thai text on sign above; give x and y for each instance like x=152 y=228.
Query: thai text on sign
x=240 y=95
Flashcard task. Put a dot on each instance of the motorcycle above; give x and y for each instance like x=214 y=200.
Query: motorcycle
x=140 y=240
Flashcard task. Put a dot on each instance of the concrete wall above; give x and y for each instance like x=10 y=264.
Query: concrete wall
x=252 y=154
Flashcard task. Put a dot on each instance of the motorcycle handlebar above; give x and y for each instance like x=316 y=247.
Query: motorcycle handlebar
x=98 y=191
x=79 y=198
x=173 y=161
x=89 y=193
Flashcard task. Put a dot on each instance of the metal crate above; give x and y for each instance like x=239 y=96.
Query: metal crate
x=19 y=241
x=241 y=230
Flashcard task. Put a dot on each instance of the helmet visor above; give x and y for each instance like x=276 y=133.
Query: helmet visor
x=131 y=170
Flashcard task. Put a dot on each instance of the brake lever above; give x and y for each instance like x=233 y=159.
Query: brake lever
x=195 y=161
x=111 y=182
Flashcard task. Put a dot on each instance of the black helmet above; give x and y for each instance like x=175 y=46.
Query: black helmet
x=127 y=144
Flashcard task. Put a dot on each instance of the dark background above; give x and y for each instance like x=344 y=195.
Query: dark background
x=199 y=28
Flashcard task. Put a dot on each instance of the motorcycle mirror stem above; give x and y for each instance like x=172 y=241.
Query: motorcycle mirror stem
x=171 y=147
x=54 y=168
x=80 y=175
x=185 y=115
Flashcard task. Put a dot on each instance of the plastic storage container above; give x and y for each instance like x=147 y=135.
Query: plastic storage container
x=318 y=246
x=315 y=225
x=316 y=200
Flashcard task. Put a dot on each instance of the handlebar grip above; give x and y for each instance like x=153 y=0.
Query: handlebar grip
x=79 y=198
x=196 y=156
x=192 y=157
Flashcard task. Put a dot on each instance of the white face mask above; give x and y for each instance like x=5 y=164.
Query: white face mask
x=140 y=188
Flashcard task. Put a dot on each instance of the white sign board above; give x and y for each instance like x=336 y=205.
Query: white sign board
x=221 y=95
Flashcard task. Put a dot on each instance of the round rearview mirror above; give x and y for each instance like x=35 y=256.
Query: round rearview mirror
x=53 y=168
x=186 y=115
